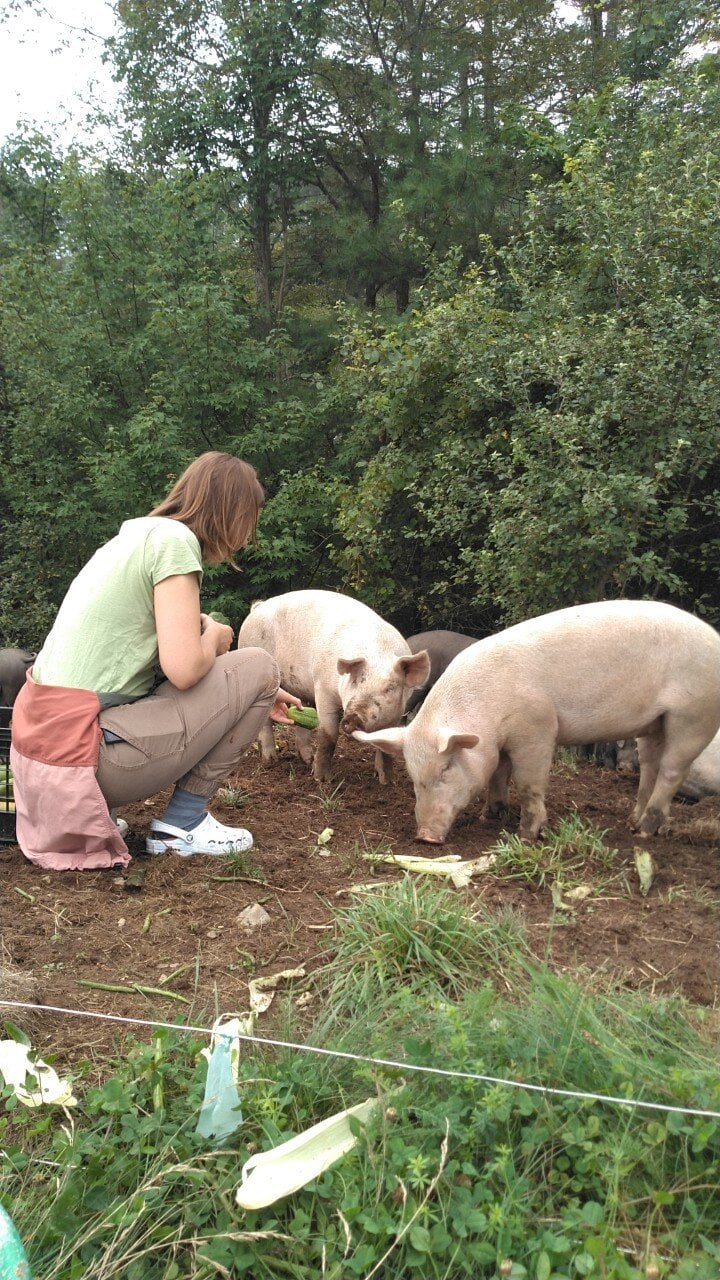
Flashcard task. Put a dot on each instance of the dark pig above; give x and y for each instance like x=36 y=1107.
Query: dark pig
x=621 y=755
x=13 y=668
x=442 y=646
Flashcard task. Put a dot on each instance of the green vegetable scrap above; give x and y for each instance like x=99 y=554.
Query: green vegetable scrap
x=304 y=717
x=219 y=617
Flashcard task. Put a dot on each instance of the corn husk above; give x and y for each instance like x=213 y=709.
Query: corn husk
x=450 y=865
x=271 y=1175
x=33 y=1082
x=645 y=869
x=263 y=989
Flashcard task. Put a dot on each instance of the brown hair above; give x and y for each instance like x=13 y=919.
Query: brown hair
x=220 y=498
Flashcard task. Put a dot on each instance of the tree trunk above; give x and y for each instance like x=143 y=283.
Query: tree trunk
x=487 y=47
x=402 y=294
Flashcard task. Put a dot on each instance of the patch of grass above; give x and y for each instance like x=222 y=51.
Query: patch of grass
x=243 y=864
x=571 y=852
x=704 y=827
x=414 y=932
x=234 y=797
x=355 y=861
x=701 y=894
x=330 y=800
x=566 y=760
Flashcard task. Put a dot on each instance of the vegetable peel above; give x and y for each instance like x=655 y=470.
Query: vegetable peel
x=450 y=865
x=271 y=1175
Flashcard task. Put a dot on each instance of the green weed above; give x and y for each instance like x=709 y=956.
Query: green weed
x=569 y=853
x=243 y=864
x=331 y=801
x=234 y=797
x=415 y=931
x=474 y=1169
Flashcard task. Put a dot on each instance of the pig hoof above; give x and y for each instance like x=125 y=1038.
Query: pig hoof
x=427 y=840
x=529 y=836
x=497 y=810
x=651 y=823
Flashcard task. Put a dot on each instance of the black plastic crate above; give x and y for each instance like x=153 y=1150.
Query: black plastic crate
x=7 y=807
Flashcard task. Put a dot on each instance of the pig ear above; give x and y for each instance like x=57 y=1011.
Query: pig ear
x=388 y=740
x=416 y=668
x=449 y=741
x=350 y=666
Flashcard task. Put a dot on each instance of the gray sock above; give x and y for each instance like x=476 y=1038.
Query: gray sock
x=185 y=810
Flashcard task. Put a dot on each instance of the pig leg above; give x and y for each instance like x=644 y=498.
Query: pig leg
x=497 y=796
x=266 y=738
x=650 y=750
x=327 y=735
x=304 y=744
x=383 y=768
x=531 y=765
x=683 y=743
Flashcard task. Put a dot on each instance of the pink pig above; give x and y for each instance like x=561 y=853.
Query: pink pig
x=593 y=672
x=339 y=656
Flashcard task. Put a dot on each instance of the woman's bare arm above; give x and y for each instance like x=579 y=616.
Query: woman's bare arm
x=188 y=641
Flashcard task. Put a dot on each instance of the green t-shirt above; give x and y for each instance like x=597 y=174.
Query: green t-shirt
x=104 y=635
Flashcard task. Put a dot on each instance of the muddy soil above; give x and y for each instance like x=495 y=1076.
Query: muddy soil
x=180 y=931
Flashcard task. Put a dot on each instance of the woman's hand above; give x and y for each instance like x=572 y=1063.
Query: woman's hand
x=283 y=700
x=220 y=634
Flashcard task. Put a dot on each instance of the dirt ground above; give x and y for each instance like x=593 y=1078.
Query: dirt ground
x=180 y=929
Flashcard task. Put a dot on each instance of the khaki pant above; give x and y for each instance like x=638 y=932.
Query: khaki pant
x=194 y=737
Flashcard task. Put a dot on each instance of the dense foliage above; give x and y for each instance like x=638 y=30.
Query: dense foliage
x=546 y=430
x=447 y=276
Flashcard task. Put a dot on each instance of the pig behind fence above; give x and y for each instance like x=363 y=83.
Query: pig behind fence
x=339 y=656
x=442 y=647
x=13 y=667
x=591 y=673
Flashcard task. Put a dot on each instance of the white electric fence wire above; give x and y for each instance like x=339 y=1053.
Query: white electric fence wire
x=265 y=1042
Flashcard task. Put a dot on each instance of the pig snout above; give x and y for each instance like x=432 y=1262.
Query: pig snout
x=427 y=837
x=627 y=757
x=351 y=722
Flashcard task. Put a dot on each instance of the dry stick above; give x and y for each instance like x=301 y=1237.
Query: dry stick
x=261 y=884
x=240 y=880
x=134 y=988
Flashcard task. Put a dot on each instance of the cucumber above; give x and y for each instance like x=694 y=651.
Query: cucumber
x=304 y=717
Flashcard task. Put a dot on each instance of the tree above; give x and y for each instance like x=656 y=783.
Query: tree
x=227 y=85
x=416 y=150
x=635 y=41
x=547 y=432
x=128 y=347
